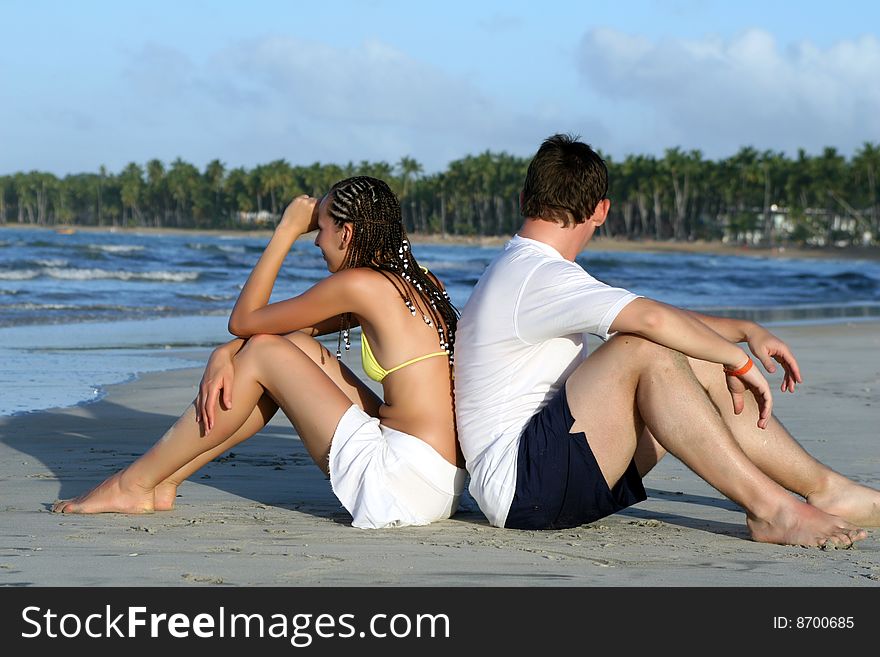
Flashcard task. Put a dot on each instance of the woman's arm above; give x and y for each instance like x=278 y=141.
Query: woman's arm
x=216 y=380
x=316 y=310
x=330 y=325
x=299 y=217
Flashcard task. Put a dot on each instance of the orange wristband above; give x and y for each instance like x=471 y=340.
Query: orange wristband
x=740 y=371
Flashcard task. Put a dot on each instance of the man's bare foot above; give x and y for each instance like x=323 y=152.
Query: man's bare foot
x=847 y=499
x=797 y=523
x=164 y=496
x=110 y=496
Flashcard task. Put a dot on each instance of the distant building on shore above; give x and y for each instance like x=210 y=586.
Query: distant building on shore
x=810 y=226
x=263 y=217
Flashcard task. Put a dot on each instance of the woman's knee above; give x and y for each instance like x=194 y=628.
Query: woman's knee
x=262 y=343
x=301 y=339
x=310 y=347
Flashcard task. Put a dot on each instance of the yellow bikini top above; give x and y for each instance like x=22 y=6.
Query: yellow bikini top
x=376 y=371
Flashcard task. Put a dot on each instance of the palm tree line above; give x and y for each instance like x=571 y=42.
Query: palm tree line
x=756 y=196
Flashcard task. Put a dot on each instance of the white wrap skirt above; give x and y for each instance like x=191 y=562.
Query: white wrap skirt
x=387 y=478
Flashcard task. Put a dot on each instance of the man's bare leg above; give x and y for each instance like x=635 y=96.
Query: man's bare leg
x=779 y=456
x=266 y=365
x=355 y=389
x=630 y=383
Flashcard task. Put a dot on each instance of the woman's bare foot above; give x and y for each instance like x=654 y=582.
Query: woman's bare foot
x=847 y=499
x=164 y=496
x=110 y=496
x=797 y=523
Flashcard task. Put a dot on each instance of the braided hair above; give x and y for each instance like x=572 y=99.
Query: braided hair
x=379 y=242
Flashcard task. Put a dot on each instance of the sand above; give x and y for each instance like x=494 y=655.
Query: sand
x=264 y=515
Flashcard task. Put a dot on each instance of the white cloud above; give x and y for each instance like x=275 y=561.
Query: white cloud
x=286 y=97
x=258 y=100
x=372 y=83
x=718 y=95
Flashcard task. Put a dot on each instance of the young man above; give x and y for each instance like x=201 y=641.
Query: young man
x=555 y=439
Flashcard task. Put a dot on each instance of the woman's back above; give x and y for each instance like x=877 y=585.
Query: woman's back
x=418 y=397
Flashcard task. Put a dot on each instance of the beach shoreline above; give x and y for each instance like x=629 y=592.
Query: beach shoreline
x=264 y=515
x=603 y=244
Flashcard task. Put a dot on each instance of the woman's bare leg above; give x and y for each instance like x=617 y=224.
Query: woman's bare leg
x=267 y=364
x=355 y=389
x=165 y=493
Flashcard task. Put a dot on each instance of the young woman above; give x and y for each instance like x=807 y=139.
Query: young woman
x=392 y=461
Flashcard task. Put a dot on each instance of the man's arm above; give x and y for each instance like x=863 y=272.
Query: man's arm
x=734 y=330
x=763 y=344
x=679 y=330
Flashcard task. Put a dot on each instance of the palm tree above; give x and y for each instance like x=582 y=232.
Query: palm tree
x=182 y=180
x=409 y=169
x=157 y=193
x=866 y=169
x=681 y=168
x=215 y=172
x=132 y=184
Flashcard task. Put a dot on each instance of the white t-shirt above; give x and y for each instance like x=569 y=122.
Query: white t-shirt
x=520 y=336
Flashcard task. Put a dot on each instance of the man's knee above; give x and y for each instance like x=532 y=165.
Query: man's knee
x=707 y=373
x=648 y=353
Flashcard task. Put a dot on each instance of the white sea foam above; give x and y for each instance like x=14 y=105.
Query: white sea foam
x=209 y=297
x=51 y=262
x=116 y=248
x=226 y=248
x=84 y=308
x=91 y=274
x=41 y=306
x=19 y=274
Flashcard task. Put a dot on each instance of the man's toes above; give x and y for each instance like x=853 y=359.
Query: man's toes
x=836 y=542
x=856 y=534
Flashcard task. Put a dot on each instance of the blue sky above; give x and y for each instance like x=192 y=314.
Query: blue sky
x=85 y=84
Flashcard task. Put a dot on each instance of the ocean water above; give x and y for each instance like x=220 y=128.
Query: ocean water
x=85 y=310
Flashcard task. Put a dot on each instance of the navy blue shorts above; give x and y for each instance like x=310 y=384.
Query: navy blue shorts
x=558 y=482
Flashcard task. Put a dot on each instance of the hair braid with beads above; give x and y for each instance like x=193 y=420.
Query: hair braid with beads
x=379 y=242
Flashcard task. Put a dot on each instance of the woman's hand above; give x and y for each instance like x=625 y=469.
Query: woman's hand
x=301 y=215
x=216 y=380
x=753 y=380
x=767 y=348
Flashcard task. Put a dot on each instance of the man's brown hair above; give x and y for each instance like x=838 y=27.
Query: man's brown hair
x=565 y=181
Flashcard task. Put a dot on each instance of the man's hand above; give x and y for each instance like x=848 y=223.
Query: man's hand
x=751 y=380
x=301 y=215
x=767 y=347
x=216 y=380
